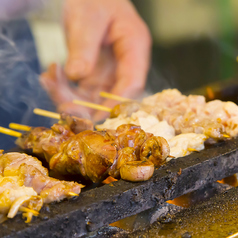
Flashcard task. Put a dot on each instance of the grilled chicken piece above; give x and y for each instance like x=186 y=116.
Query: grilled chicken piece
x=95 y=154
x=69 y=158
x=89 y=153
x=125 y=108
x=130 y=135
x=184 y=144
x=137 y=171
x=9 y=182
x=14 y=195
x=149 y=123
x=48 y=188
x=10 y=163
x=13 y=200
x=124 y=155
x=25 y=185
x=31 y=173
x=155 y=149
x=45 y=141
x=99 y=153
x=192 y=123
x=76 y=124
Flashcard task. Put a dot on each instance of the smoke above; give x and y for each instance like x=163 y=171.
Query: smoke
x=20 y=90
x=156 y=82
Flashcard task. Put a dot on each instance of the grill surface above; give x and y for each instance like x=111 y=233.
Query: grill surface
x=216 y=217
x=103 y=205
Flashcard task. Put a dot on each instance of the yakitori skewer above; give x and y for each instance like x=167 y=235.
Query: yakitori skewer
x=92 y=105
x=114 y=97
x=10 y=132
x=25 y=186
x=19 y=127
x=92 y=153
x=45 y=113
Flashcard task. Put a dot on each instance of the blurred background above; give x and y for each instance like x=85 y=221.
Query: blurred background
x=194 y=41
x=195 y=45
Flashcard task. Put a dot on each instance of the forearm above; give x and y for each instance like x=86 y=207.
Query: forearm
x=12 y=9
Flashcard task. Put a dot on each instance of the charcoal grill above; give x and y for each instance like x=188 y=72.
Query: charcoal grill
x=103 y=205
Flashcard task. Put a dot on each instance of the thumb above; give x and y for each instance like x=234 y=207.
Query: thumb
x=85 y=30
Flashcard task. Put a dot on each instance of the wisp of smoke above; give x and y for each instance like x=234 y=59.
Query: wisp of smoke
x=20 y=90
x=156 y=83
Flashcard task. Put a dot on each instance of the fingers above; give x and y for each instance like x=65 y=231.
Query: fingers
x=132 y=52
x=131 y=45
x=89 y=25
x=86 y=23
x=56 y=85
x=75 y=110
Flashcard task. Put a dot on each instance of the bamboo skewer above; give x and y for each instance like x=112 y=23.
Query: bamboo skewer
x=10 y=132
x=233 y=235
x=92 y=105
x=25 y=209
x=226 y=136
x=72 y=194
x=45 y=113
x=114 y=97
x=20 y=127
x=192 y=150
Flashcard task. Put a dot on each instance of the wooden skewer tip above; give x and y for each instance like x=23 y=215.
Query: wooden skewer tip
x=45 y=113
x=25 y=209
x=10 y=132
x=72 y=194
x=114 y=97
x=19 y=127
x=92 y=105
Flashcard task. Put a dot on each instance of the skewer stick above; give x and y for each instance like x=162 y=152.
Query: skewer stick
x=19 y=127
x=114 y=97
x=226 y=136
x=72 y=194
x=10 y=132
x=25 y=209
x=92 y=105
x=192 y=150
x=45 y=113
x=171 y=156
x=233 y=235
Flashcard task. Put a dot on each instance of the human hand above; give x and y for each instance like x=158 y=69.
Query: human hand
x=62 y=92
x=94 y=27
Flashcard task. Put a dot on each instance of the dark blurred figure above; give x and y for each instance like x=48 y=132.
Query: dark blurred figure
x=20 y=90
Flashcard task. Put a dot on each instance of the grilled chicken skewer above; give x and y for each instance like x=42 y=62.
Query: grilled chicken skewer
x=46 y=142
x=186 y=114
x=92 y=154
x=95 y=154
x=25 y=186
